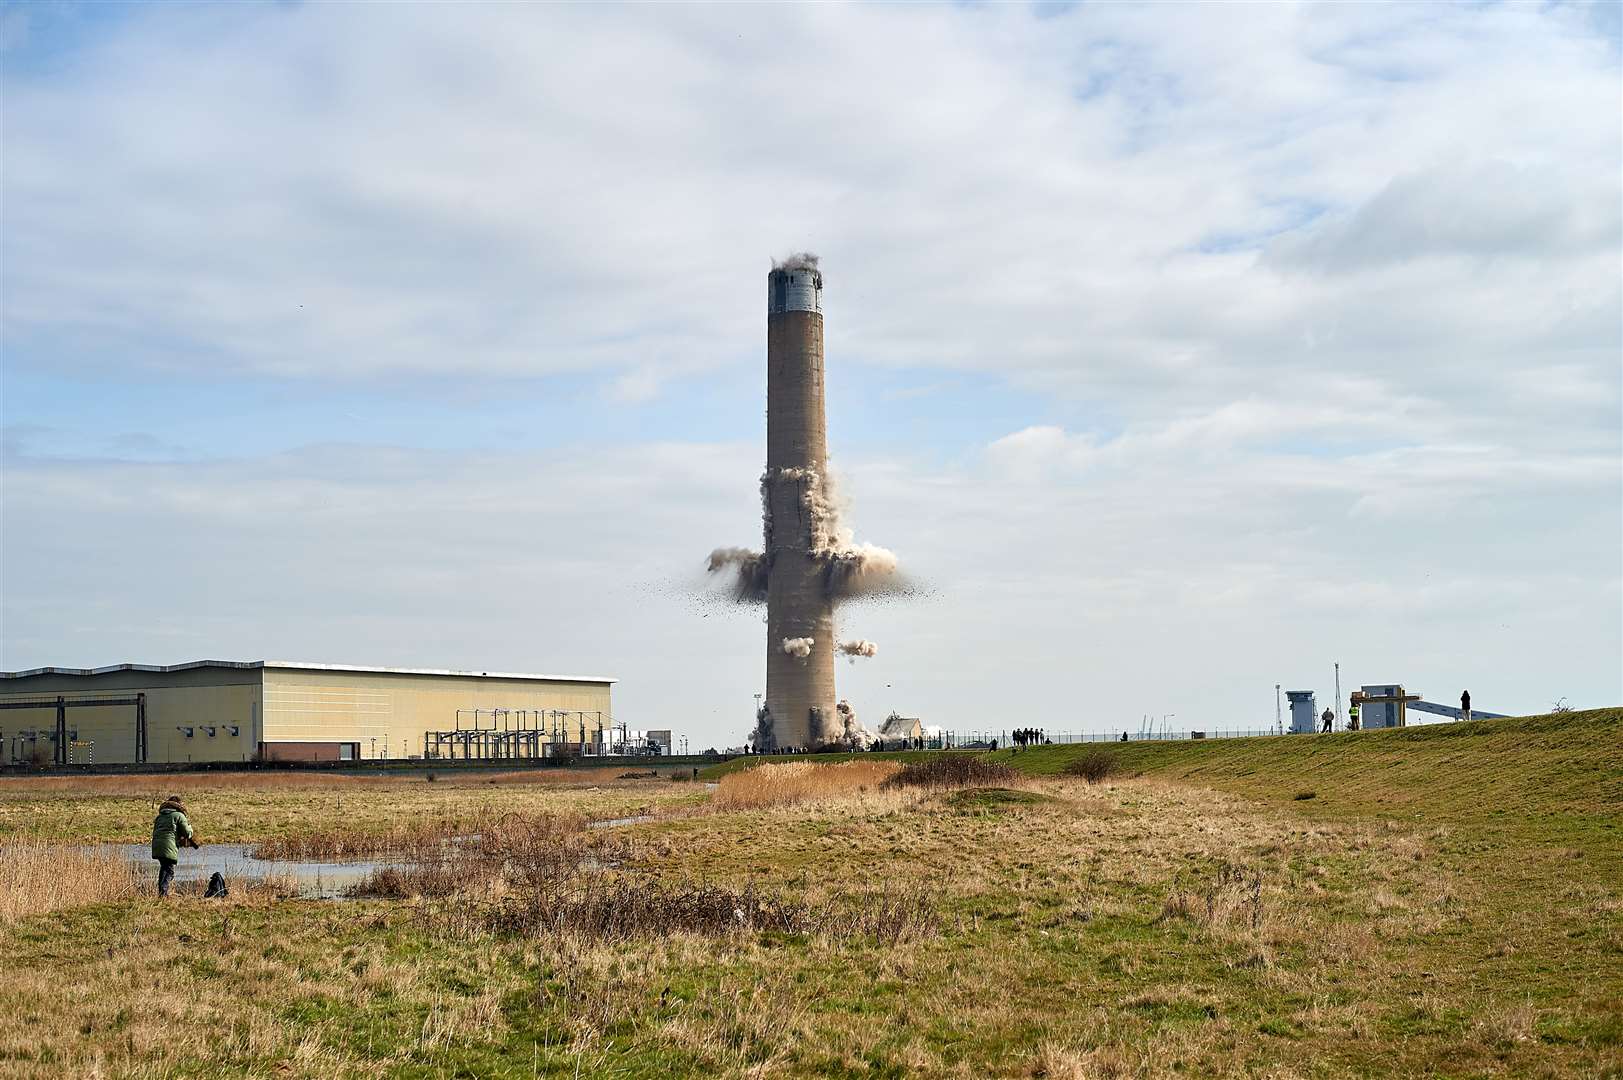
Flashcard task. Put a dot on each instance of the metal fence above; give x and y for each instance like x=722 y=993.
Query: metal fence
x=953 y=740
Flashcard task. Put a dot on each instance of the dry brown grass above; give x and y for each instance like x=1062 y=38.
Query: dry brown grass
x=591 y=909
x=36 y=878
x=799 y=782
x=420 y=839
x=515 y=853
x=1230 y=898
x=1130 y=928
x=251 y=807
x=162 y=785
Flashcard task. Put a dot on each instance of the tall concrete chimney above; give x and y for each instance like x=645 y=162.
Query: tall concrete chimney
x=799 y=612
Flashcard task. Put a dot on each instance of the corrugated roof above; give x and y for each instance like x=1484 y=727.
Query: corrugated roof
x=296 y=665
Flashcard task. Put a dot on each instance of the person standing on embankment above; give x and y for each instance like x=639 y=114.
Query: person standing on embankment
x=170 y=829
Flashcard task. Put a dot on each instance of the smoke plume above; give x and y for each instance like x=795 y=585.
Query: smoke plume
x=858 y=647
x=863 y=570
x=851 y=569
x=798 y=260
x=762 y=738
x=852 y=732
x=799 y=646
x=749 y=571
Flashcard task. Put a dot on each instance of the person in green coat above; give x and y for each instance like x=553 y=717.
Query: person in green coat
x=170 y=830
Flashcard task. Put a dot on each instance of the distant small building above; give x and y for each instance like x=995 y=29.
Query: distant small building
x=896 y=728
x=1304 y=711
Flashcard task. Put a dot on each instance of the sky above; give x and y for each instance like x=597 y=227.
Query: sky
x=1179 y=352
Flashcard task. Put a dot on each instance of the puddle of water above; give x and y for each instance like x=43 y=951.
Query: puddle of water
x=613 y=823
x=316 y=880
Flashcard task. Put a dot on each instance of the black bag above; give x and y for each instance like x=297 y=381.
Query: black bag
x=217 y=887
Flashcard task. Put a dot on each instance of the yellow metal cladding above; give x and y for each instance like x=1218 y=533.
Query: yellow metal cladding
x=200 y=716
x=212 y=711
x=386 y=713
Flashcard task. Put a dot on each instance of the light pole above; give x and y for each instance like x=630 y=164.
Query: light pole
x=1279 y=722
x=1338 y=695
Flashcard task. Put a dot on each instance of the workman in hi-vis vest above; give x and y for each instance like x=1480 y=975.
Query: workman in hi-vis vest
x=1352 y=717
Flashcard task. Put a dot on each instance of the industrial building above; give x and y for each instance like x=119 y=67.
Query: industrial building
x=238 y=711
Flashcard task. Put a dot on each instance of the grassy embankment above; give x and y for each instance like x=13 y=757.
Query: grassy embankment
x=1447 y=902
x=1543 y=772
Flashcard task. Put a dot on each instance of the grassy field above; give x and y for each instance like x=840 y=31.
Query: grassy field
x=1443 y=901
x=242 y=807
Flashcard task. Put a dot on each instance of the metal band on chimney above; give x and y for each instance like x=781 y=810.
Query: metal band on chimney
x=794 y=290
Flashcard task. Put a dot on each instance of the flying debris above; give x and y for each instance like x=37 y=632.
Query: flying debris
x=748 y=569
x=863 y=570
x=858 y=647
x=798 y=646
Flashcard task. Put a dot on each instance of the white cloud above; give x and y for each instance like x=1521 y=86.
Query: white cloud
x=323 y=192
x=1492 y=211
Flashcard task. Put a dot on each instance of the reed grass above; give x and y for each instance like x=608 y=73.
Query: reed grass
x=36 y=878
x=799 y=782
x=417 y=840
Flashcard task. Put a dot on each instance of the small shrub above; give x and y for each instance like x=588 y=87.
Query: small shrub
x=953 y=771
x=432 y=778
x=531 y=853
x=1232 y=898
x=1093 y=766
x=1302 y=796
